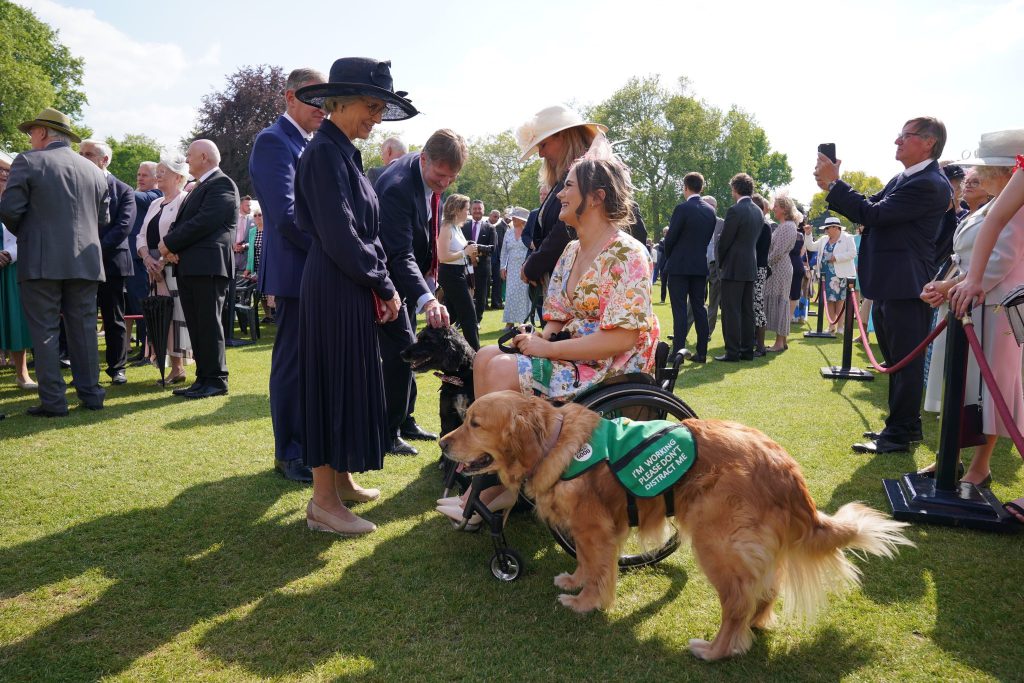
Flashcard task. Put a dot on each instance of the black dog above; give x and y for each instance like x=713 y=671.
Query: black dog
x=445 y=351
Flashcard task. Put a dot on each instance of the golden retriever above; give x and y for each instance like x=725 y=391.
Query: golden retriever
x=752 y=523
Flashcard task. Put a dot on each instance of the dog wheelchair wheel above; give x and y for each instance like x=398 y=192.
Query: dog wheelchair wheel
x=506 y=565
x=636 y=401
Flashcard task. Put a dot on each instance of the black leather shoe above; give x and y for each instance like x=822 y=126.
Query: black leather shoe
x=726 y=358
x=402 y=447
x=746 y=356
x=205 y=392
x=91 y=406
x=293 y=470
x=119 y=378
x=134 y=358
x=140 y=363
x=698 y=359
x=231 y=343
x=196 y=386
x=760 y=351
x=914 y=438
x=39 y=411
x=416 y=433
x=881 y=446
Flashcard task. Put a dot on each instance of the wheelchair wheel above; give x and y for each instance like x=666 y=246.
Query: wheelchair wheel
x=506 y=565
x=638 y=402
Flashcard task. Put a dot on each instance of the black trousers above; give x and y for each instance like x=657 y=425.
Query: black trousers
x=284 y=382
x=738 y=317
x=111 y=296
x=461 y=308
x=900 y=325
x=202 y=301
x=482 y=278
x=399 y=386
x=687 y=292
x=227 y=316
x=496 y=299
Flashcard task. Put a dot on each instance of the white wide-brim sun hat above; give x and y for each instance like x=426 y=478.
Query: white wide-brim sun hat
x=999 y=148
x=546 y=123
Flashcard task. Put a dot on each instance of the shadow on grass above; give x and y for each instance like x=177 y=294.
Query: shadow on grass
x=235 y=408
x=205 y=552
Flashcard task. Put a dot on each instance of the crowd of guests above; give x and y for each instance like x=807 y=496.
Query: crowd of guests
x=348 y=259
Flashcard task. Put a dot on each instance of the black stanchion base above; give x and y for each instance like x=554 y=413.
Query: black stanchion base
x=836 y=372
x=914 y=498
x=819 y=335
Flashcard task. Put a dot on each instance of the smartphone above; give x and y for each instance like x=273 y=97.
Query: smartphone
x=829 y=150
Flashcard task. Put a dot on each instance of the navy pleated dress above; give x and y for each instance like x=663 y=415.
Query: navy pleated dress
x=341 y=387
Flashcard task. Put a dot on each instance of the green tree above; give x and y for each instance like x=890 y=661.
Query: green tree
x=130 y=151
x=866 y=184
x=251 y=101
x=36 y=71
x=494 y=174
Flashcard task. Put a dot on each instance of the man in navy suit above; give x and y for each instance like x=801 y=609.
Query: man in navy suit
x=477 y=229
x=117 y=260
x=686 y=266
x=409 y=191
x=199 y=242
x=737 y=266
x=895 y=263
x=275 y=153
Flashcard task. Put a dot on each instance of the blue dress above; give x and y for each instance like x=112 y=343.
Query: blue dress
x=341 y=386
x=517 y=292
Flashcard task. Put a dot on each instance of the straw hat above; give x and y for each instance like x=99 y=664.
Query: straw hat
x=832 y=220
x=361 y=76
x=546 y=123
x=52 y=119
x=997 y=149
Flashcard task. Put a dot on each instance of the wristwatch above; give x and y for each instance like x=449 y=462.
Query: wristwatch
x=832 y=184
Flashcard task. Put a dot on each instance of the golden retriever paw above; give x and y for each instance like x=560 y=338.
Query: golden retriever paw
x=700 y=648
x=567 y=581
x=576 y=604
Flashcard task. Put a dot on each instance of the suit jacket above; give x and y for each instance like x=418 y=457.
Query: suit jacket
x=143 y=200
x=54 y=203
x=275 y=154
x=637 y=229
x=900 y=226
x=689 y=232
x=405 y=230
x=485 y=235
x=550 y=235
x=117 y=257
x=499 y=242
x=736 y=256
x=530 y=228
x=204 y=231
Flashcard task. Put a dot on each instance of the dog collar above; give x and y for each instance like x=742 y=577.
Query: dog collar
x=550 y=444
x=450 y=379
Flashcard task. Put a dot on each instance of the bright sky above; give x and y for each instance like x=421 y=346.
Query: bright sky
x=810 y=72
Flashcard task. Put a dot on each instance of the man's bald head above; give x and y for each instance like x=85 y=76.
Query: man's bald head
x=202 y=156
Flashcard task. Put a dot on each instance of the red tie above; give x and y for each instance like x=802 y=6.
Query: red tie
x=435 y=226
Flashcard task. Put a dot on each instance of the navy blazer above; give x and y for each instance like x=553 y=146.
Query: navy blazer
x=275 y=154
x=737 y=255
x=404 y=226
x=550 y=235
x=117 y=258
x=689 y=232
x=897 y=247
x=204 y=231
x=336 y=206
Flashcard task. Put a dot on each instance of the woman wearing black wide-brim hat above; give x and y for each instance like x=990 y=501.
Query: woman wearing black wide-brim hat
x=341 y=386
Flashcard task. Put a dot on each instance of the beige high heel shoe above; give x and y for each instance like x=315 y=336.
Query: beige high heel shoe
x=359 y=495
x=318 y=519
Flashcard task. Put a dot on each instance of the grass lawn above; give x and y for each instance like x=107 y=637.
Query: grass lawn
x=153 y=541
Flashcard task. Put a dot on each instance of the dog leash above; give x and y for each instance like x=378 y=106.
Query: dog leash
x=548 y=446
x=450 y=379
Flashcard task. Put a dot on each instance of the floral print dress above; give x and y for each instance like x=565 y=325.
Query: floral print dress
x=614 y=291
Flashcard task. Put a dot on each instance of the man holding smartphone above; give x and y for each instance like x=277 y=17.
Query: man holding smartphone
x=895 y=263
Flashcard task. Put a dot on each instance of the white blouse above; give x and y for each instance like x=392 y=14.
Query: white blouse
x=457 y=242
x=166 y=219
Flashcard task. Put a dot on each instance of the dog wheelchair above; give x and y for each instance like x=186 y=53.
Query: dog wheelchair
x=638 y=396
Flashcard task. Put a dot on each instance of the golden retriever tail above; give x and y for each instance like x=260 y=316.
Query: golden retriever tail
x=816 y=564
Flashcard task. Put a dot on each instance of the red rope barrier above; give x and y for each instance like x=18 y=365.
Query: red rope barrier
x=918 y=350
x=842 y=311
x=993 y=388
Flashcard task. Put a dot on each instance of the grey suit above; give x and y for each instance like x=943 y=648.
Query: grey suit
x=55 y=202
x=737 y=266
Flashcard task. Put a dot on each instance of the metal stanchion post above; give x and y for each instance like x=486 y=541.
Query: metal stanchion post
x=942 y=499
x=846 y=371
x=822 y=314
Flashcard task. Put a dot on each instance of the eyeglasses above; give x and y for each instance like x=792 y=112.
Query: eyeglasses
x=972 y=183
x=374 y=108
x=903 y=135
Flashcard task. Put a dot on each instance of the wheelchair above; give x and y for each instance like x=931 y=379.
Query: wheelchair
x=638 y=396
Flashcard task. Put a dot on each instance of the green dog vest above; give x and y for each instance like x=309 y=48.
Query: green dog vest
x=647 y=458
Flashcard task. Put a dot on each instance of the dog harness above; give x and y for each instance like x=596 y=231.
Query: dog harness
x=648 y=458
